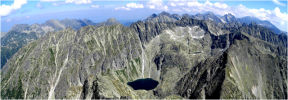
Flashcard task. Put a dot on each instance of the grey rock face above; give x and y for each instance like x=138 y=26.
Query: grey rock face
x=205 y=80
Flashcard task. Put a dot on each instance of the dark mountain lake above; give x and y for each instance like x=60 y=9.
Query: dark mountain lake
x=143 y=84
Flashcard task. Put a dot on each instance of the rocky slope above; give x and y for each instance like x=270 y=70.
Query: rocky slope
x=190 y=58
x=22 y=34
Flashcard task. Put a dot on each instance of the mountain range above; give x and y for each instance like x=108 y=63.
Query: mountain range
x=188 y=56
x=22 y=34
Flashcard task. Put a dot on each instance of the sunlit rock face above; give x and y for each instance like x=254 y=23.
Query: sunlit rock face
x=186 y=57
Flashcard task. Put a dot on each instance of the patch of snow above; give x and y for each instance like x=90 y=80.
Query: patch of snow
x=223 y=21
x=196 y=32
x=211 y=19
x=172 y=36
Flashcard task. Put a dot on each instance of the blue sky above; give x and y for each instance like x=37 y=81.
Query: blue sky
x=38 y=11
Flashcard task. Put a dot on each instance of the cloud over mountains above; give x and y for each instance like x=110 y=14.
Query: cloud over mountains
x=275 y=15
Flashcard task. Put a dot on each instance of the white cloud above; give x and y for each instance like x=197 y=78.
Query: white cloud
x=157 y=4
x=7 y=9
x=78 y=1
x=129 y=6
x=193 y=3
x=275 y=16
x=55 y=2
x=48 y=0
x=122 y=8
x=172 y=4
x=134 y=5
x=278 y=3
x=94 y=6
x=151 y=4
x=220 y=5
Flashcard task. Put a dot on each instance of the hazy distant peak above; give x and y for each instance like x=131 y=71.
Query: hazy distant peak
x=20 y=27
x=229 y=17
x=209 y=13
x=55 y=24
x=163 y=17
x=52 y=21
x=229 y=14
x=207 y=16
x=265 y=23
x=110 y=21
x=164 y=13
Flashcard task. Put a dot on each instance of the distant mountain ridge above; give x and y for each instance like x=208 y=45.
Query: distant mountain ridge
x=163 y=17
x=266 y=24
x=227 y=18
x=110 y=21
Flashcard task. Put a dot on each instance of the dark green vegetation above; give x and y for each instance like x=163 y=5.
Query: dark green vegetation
x=189 y=57
x=14 y=92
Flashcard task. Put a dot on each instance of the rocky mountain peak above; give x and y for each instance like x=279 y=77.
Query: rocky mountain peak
x=164 y=13
x=163 y=17
x=110 y=21
x=229 y=18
